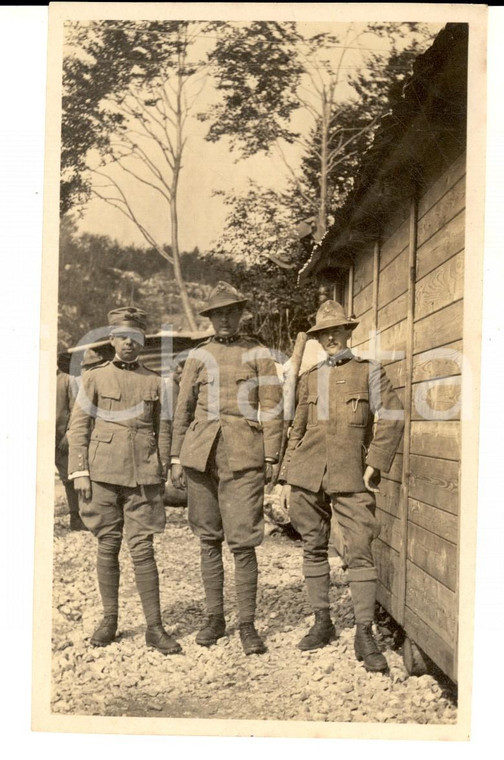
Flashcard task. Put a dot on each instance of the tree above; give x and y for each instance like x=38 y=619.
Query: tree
x=136 y=119
x=258 y=235
x=267 y=73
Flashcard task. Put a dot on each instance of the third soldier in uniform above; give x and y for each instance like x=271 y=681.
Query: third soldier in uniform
x=332 y=466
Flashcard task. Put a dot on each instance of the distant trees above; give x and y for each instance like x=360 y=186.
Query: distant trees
x=274 y=80
x=128 y=90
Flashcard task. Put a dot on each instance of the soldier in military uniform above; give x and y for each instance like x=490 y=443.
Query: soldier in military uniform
x=225 y=454
x=66 y=391
x=119 y=445
x=332 y=466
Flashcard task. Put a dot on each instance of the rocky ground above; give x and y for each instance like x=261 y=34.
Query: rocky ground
x=221 y=682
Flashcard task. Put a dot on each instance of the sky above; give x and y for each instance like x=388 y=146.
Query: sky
x=209 y=167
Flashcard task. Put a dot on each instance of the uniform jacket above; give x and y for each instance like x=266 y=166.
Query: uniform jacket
x=120 y=428
x=333 y=426
x=66 y=391
x=222 y=388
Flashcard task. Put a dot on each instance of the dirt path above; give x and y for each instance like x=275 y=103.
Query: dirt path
x=127 y=679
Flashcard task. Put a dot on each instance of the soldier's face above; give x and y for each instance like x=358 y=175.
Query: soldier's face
x=334 y=339
x=226 y=321
x=127 y=345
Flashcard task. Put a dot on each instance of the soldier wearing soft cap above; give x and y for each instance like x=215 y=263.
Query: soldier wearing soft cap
x=119 y=445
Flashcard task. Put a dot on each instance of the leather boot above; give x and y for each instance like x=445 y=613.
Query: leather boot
x=250 y=639
x=366 y=649
x=214 y=628
x=106 y=631
x=157 y=638
x=320 y=634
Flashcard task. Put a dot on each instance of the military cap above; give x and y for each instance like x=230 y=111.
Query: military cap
x=223 y=295
x=91 y=357
x=129 y=317
x=332 y=314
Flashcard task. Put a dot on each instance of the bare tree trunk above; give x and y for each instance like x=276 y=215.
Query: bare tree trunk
x=177 y=269
x=324 y=165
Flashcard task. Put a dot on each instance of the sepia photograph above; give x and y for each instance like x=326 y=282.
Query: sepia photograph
x=261 y=324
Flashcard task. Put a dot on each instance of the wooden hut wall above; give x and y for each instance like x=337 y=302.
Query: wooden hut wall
x=409 y=286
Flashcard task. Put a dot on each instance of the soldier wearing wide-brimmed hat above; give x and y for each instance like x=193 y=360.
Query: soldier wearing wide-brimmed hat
x=331 y=468
x=225 y=454
x=119 y=446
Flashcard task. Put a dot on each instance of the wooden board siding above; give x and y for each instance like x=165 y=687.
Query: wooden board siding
x=394 y=245
x=411 y=289
x=363 y=272
x=442 y=212
x=435 y=482
x=441 y=246
x=437 y=399
x=363 y=301
x=393 y=280
x=439 y=329
x=433 y=554
x=435 y=604
x=445 y=361
x=434 y=646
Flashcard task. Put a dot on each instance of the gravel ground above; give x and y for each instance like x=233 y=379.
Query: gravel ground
x=221 y=682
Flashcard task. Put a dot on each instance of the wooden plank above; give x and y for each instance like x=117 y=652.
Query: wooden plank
x=393 y=312
x=440 y=287
x=363 y=300
x=395 y=219
x=395 y=472
x=387 y=600
x=391 y=343
x=433 y=554
x=388 y=498
x=432 y=602
x=394 y=244
x=445 y=361
x=363 y=271
x=436 y=439
x=362 y=349
x=393 y=280
x=438 y=329
x=433 y=645
x=396 y=372
x=437 y=399
x=439 y=188
x=443 y=524
x=386 y=561
x=444 y=244
x=441 y=213
x=390 y=529
x=365 y=327
x=435 y=482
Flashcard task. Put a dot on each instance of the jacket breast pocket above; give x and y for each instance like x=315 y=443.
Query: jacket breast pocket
x=312 y=402
x=107 y=398
x=357 y=405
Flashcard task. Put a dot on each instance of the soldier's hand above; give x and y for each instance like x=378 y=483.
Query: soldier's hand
x=82 y=486
x=371 y=479
x=177 y=476
x=268 y=472
x=285 y=496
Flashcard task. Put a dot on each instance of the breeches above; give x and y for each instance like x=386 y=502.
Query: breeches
x=225 y=504
x=311 y=516
x=113 y=510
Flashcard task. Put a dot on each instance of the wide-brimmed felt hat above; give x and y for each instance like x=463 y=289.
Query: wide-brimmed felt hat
x=127 y=317
x=332 y=314
x=223 y=295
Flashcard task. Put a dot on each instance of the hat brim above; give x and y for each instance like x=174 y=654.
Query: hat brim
x=331 y=323
x=222 y=304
